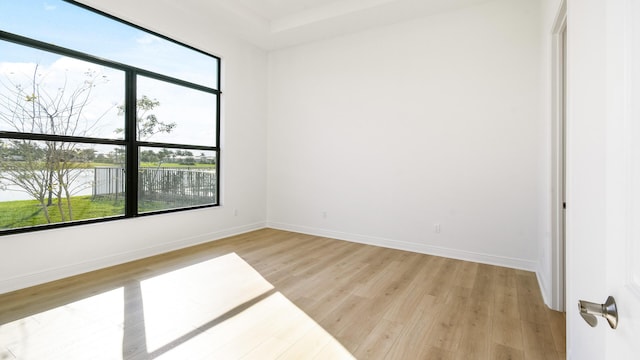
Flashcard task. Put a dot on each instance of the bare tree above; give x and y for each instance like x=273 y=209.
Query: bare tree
x=45 y=169
x=147 y=123
x=27 y=171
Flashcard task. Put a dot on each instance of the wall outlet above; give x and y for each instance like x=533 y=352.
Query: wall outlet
x=324 y=214
x=436 y=228
x=235 y=212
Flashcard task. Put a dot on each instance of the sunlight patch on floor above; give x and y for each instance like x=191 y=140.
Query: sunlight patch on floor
x=217 y=309
x=90 y=326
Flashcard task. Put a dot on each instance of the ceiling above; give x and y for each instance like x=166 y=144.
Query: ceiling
x=273 y=24
x=273 y=9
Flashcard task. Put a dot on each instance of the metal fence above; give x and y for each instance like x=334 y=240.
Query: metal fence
x=108 y=181
x=190 y=186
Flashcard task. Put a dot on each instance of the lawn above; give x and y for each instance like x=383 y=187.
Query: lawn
x=91 y=165
x=17 y=214
x=175 y=165
x=24 y=213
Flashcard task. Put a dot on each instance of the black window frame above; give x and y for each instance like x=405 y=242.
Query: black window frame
x=130 y=142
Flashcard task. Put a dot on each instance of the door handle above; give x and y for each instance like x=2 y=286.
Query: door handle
x=608 y=310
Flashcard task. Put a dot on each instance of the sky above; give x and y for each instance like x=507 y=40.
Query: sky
x=89 y=32
x=78 y=29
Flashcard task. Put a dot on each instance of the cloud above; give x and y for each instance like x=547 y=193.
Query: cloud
x=49 y=7
x=146 y=39
x=8 y=69
x=59 y=80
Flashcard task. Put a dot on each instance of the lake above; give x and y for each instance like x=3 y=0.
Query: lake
x=82 y=186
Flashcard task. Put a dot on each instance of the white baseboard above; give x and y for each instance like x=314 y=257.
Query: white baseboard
x=514 y=263
x=544 y=289
x=44 y=276
x=40 y=277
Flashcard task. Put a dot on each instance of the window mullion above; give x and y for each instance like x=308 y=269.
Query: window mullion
x=218 y=104
x=131 y=165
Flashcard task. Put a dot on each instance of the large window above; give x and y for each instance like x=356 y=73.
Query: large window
x=100 y=119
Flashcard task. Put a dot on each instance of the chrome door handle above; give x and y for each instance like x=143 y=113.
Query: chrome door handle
x=608 y=310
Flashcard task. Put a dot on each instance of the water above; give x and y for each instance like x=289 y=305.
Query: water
x=81 y=186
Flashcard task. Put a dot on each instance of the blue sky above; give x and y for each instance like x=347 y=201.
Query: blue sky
x=74 y=27
x=70 y=26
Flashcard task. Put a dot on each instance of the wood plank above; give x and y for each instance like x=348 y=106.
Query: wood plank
x=501 y=352
x=378 y=343
x=507 y=331
x=538 y=343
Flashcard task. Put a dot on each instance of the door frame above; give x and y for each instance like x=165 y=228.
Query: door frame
x=558 y=158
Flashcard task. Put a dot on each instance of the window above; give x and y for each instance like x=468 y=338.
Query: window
x=100 y=119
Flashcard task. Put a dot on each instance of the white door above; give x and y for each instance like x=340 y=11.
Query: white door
x=603 y=175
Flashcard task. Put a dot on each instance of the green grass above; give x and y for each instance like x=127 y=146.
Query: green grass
x=26 y=213
x=23 y=213
x=148 y=165
x=175 y=165
x=92 y=165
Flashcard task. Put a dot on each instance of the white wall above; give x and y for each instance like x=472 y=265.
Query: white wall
x=389 y=131
x=32 y=258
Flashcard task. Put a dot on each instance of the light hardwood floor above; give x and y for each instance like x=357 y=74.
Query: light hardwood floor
x=272 y=294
